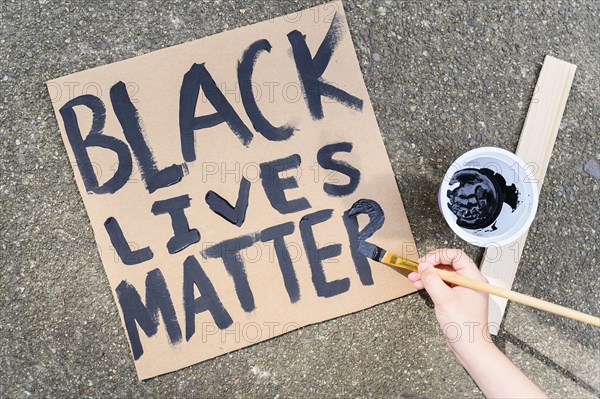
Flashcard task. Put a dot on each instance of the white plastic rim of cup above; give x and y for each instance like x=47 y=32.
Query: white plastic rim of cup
x=509 y=225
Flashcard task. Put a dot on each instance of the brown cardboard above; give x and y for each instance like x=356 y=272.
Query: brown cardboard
x=153 y=82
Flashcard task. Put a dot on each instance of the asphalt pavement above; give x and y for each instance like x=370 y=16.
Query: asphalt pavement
x=443 y=78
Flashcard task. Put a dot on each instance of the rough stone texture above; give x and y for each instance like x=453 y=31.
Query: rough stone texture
x=592 y=168
x=443 y=78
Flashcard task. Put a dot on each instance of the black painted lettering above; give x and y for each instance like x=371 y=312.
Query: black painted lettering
x=361 y=264
x=194 y=276
x=245 y=70
x=95 y=138
x=277 y=234
x=196 y=78
x=129 y=119
x=376 y=220
x=325 y=159
x=316 y=255
x=182 y=235
x=275 y=186
x=158 y=299
x=311 y=69
x=229 y=252
x=219 y=205
x=120 y=244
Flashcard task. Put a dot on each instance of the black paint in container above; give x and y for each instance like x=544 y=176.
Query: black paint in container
x=479 y=197
x=488 y=197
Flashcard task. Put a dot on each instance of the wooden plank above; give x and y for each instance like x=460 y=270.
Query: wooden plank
x=537 y=139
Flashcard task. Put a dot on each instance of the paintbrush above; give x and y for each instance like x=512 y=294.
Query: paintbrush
x=372 y=251
x=389 y=258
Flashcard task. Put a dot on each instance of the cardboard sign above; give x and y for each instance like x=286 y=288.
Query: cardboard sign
x=216 y=175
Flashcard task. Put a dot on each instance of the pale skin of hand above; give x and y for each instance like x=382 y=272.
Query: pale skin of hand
x=462 y=314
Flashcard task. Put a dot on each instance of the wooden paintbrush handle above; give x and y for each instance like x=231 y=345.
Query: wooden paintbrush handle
x=455 y=278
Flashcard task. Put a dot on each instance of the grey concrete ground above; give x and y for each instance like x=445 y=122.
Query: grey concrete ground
x=443 y=78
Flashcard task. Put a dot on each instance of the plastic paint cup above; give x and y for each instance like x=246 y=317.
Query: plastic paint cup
x=509 y=224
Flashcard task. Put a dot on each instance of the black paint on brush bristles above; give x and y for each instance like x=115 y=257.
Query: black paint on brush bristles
x=376 y=219
x=477 y=201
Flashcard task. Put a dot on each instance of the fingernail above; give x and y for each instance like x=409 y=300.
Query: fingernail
x=423 y=266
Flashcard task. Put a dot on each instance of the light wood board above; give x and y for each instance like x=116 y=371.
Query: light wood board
x=539 y=133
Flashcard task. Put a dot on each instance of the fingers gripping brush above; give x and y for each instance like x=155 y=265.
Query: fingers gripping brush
x=378 y=254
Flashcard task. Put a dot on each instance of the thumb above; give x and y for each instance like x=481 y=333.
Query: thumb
x=435 y=286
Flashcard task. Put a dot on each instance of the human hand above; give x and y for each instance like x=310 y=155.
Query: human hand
x=461 y=312
x=463 y=315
